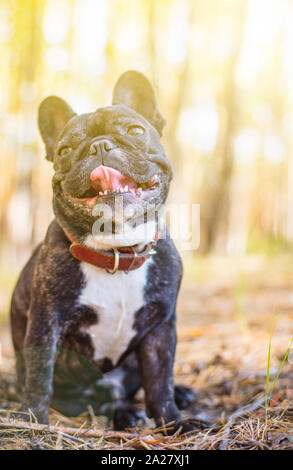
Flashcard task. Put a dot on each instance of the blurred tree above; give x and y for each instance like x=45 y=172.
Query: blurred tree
x=215 y=191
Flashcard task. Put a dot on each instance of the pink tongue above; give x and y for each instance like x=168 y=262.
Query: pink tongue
x=106 y=178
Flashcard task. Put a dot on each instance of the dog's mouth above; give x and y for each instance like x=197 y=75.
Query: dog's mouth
x=108 y=182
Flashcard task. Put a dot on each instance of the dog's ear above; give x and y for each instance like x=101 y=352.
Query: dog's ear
x=54 y=113
x=135 y=91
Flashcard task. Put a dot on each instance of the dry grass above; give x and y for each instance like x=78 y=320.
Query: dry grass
x=224 y=334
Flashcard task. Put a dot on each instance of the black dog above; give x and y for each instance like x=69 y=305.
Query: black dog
x=92 y=300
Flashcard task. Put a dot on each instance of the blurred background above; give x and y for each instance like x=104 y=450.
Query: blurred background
x=223 y=73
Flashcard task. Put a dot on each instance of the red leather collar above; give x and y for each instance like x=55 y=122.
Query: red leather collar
x=117 y=259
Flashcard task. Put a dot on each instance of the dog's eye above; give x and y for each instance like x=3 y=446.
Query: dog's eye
x=135 y=130
x=65 y=151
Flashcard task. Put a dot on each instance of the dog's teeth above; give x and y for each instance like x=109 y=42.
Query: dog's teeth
x=139 y=189
x=105 y=192
x=126 y=189
x=153 y=180
x=101 y=193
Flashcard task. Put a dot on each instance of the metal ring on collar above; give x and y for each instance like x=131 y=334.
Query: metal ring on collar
x=116 y=262
x=133 y=261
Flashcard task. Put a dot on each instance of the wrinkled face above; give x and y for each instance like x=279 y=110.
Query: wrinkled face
x=109 y=165
x=111 y=157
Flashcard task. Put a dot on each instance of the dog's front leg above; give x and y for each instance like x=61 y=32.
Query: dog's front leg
x=156 y=358
x=41 y=341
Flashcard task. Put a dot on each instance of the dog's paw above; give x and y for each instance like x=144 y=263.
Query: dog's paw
x=184 y=396
x=127 y=416
x=188 y=425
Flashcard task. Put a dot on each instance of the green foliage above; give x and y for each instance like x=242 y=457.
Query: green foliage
x=270 y=390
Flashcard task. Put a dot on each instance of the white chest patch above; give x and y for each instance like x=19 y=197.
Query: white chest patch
x=116 y=298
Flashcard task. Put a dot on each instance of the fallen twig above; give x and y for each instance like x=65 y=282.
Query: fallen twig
x=244 y=410
x=75 y=432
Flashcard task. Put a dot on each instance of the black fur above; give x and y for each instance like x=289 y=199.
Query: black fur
x=55 y=357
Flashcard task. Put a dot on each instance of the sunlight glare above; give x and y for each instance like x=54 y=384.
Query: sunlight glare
x=262 y=27
x=274 y=149
x=57 y=58
x=177 y=33
x=56 y=22
x=246 y=144
x=92 y=34
x=199 y=126
x=82 y=104
x=6 y=28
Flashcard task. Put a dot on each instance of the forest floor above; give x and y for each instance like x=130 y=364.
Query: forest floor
x=225 y=315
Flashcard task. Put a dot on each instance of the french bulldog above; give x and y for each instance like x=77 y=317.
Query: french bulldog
x=96 y=302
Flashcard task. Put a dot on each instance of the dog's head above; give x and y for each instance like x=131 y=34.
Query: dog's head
x=109 y=159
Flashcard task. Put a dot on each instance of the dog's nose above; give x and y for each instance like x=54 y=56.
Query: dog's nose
x=101 y=146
